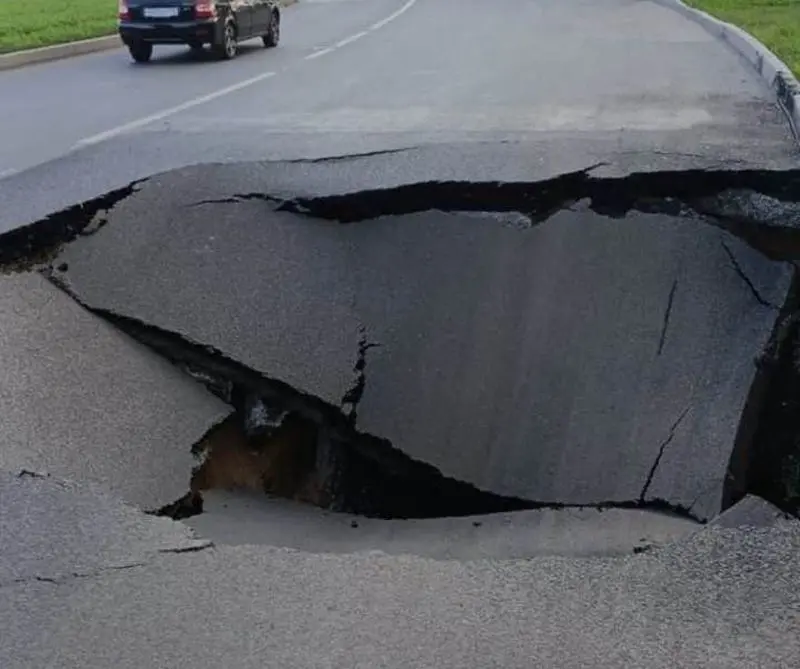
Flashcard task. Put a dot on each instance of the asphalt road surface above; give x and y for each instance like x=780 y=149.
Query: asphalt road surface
x=576 y=355
x=520 y=358
x=580 y=81
x=114 y=587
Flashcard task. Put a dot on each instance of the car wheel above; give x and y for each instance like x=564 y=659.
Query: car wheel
x=141 y=51
x=273 y=35
x=227 y=48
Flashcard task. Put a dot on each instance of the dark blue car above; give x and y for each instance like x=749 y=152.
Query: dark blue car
x=221 y=24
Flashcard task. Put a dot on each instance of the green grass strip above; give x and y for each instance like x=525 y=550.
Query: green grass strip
x=776 y=23
x=26 y=24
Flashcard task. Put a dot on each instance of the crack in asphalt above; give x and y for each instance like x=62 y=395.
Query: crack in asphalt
x=200 y=546
x=356 y=391
x=65 y=578
x=676 y=193
x=661 y=450
x=28 y=473
x=190 y=356
x=24 y=247
x=680 y=193
x=351 y=156
x=539 y=200
x=372 y=457
x=738 y=269
x=240 y=197
x=662 y=338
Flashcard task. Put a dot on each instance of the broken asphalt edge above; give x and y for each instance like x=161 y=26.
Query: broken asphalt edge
x=771 y=69
x=609 y=196
x=188 y=354
x=46 y=54
x=184 y=539
x=38 y=242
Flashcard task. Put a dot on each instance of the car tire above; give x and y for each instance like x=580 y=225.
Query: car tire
x=273 y=35
x=141 y=52
x=227 y=47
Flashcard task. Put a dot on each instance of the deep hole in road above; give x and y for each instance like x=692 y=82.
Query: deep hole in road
x=293 y=445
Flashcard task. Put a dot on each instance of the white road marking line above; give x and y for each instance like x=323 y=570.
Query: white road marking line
x=392 y=17
x=319 y=53
x=171 y=111
x=363 y=33
x=352 y=38
x=194 y=102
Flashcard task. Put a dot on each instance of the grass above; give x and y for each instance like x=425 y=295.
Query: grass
x=25 y=24
x=776 y=23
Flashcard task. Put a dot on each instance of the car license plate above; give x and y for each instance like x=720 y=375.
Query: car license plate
x=160 y=12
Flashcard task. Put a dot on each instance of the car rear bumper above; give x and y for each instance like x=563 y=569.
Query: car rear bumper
x=170 y=33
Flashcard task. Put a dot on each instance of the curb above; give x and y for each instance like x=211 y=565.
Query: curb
x=15 y=59
x=44 y=54
x=768 y=66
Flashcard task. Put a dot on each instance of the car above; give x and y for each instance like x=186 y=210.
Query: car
x=222 y=24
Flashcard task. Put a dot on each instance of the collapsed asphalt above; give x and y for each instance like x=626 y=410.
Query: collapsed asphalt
x=335 y=364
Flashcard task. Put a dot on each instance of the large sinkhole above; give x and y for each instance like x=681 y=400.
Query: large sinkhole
x=689 y=409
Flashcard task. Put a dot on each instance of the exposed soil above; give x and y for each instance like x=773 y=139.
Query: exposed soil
x=283 y=463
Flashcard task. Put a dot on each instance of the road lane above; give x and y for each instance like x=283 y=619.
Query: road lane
x=47 y=109
x=630 y=83
x=520 y=68
x=235 y=87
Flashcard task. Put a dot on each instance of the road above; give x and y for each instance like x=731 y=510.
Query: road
x=589 y=341
x=150 y=595
x=577 y=82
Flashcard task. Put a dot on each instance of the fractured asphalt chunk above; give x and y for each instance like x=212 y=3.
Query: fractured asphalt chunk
x=751 y=511
x=246 y=518
x=81 y=400
x=531 y=363
x=53 y=530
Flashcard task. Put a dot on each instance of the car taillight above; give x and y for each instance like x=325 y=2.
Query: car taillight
x=124 y=12
x=205 y=10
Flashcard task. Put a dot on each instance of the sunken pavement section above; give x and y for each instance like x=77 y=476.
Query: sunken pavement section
x=569 y=370
x=576 y=341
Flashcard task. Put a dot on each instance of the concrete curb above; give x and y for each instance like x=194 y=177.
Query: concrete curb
x=44 y=54
x=15 y=59
x=769 y=67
